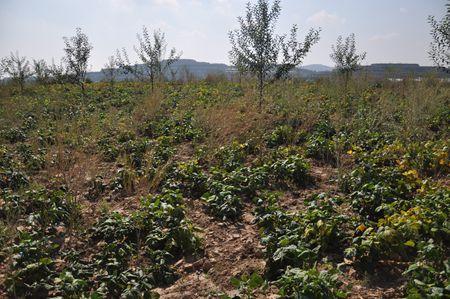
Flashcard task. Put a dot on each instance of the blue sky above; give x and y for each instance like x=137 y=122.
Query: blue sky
x=388 y=30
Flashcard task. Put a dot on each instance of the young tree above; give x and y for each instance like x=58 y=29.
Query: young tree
x=58 y=73
x=17 y=67
x=256 y=49
x=151 y=50
x=440 y=45
x=110 y=71
x=2 y=72
x=77 y=49
x=41 y=71
x=124 y=65
x=345 y=57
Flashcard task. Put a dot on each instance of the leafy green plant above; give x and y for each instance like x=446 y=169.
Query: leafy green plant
x=124 y=181
x=96 y=188
x=13 y=135
x=163 y=150
x=222 y=200
x=181 y=128
x=293 y=169
x=398 y=234
x=429 y=274
x=297 y=239
x=281 y=135
x=13 y=179
x=321 y=148
x=32 y=267
x=248 y=284
x=232 y=156
x=188 y=177
x=311 y=283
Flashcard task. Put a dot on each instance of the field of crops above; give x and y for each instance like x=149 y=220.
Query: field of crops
x=192 y=190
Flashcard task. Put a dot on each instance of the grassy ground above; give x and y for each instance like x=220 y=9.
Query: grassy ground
x=193 y=191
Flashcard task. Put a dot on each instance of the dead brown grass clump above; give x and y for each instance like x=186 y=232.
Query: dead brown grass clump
x=238 y=120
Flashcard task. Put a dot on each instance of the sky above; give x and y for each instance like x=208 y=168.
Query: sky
x=388 y=30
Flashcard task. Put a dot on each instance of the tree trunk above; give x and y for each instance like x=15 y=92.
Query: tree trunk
x=152 y=82
x=261 y=91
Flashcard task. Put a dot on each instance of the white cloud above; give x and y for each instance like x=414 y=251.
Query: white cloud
x=383 y=37
x=196 y=3
x=222 y=7
x=323 y=17
x=193 y=34
x=169 y=3
x=121 y=5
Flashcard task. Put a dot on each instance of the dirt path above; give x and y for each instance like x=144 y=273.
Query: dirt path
x=231 y=249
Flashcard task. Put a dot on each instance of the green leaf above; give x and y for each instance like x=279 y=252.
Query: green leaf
x=410 y=243
x=235 y=282
x=255 y=281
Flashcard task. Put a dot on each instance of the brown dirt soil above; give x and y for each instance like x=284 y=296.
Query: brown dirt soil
x=230 y=249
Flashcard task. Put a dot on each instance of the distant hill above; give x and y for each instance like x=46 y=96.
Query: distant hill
x=180 y=69
x=401 y=70
x=317 y=68
x=184 y=68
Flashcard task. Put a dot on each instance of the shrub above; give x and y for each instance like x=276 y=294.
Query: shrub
x=291 y=169
x=311 y=283
x=222 y=200
x=281 y=135
x=13 y=135
x=297 y=239
x=428 y=275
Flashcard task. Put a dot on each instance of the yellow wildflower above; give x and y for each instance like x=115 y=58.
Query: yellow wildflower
x=411 y=174
x=361 y=228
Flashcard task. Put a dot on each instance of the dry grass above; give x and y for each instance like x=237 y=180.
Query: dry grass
x=238 y=120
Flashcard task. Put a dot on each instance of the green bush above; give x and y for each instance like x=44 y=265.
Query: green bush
x=311 y=283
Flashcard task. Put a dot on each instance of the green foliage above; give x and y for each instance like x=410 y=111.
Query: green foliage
x=158 y=229
x=256 y=48
x=232 y=156
x=180 y=127
x=247 y=284
x=298 y=239
x=282 y=135
x=429 y=275
x=400 y=232
x=32 y=266
x=44 y=208
x=345 y=57
x=440 y=40
x=124 y=181
x=163 y=150
x=13 y=179
x=32 y=161
x=188 y=177
x=222 y=200
x=321 y=148
x=293 y=169
x=96 y=188
x=320 y=145
x=311 y=283
x=392 y=209
x=13 y=135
